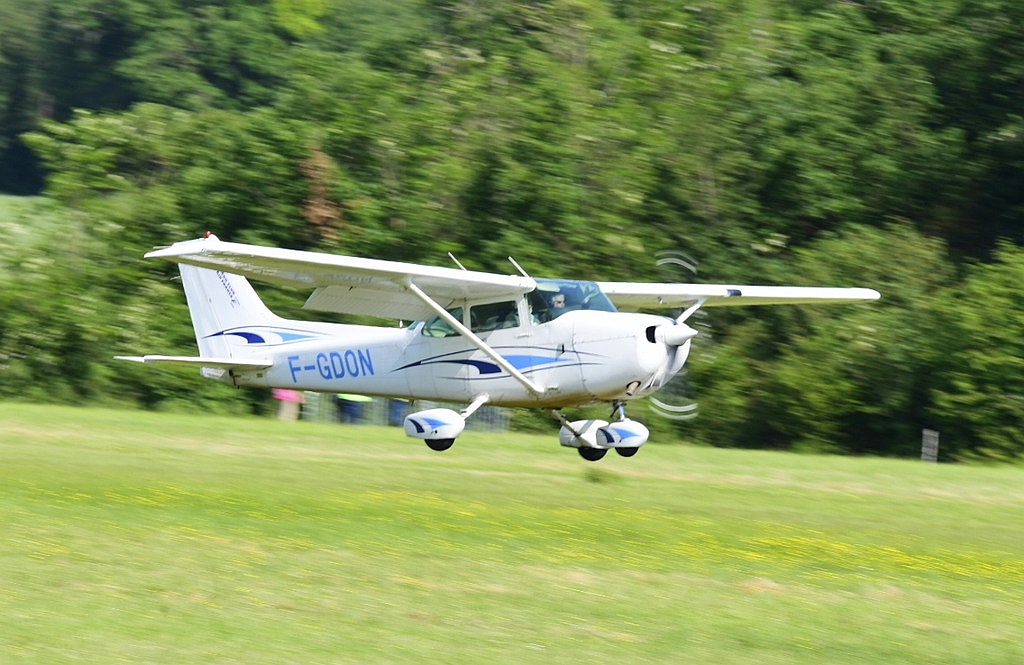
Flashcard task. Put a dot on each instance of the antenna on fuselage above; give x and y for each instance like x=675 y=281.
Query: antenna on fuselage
x=519 y=267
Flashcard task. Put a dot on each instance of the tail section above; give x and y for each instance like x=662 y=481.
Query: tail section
x=224 y=309
x=233 y=327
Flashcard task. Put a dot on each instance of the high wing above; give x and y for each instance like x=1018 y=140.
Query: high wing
x=393 y=289
x=636 y=295
x=348 y=284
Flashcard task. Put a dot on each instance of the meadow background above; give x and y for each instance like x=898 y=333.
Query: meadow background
x=147 y=537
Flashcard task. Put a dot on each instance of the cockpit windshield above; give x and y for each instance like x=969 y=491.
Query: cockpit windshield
x=554 y=297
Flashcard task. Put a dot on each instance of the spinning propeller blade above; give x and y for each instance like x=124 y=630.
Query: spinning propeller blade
x=674 y=402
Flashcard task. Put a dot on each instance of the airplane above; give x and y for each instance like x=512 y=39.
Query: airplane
x=476 y=338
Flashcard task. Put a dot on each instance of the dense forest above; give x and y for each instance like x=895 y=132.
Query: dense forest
x=875 y=143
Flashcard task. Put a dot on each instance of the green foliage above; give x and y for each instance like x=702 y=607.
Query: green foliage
x=775 y=141
x=70 y=299
x=852 y=379
x=300 y=18
x=870 y=368
x=979 y=397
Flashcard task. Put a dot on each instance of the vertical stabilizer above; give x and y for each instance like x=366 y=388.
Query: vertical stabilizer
x=223 y=306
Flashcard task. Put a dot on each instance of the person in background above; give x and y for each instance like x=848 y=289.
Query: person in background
x=350 y=407
x=290 y=403
x=397 y=409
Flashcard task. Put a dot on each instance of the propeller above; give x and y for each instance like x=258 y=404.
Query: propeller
x=673 y=401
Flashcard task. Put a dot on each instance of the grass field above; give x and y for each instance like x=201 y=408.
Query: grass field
x=154 y=538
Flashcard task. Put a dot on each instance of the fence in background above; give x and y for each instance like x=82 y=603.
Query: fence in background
x=323 y=407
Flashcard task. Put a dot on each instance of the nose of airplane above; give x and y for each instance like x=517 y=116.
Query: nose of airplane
x=674 y=334
x=667 y=347
x=641 y=351
x=651 y=352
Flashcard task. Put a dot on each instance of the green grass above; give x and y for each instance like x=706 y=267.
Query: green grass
x=141 y=537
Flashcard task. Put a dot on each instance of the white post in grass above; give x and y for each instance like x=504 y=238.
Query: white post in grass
x=929 y=445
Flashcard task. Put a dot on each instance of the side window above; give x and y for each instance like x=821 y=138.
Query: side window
x=494 y=316
x=438 y=327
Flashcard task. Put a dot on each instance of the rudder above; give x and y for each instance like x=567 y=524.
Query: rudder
x=221 y=304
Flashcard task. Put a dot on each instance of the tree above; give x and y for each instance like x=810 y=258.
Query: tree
x=851 y=379
x=775 y=142
x=20 y=94
x=979 y=398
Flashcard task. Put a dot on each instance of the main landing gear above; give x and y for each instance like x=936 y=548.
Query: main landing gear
x=440 y=427
x=592 y=439
x=440 y=444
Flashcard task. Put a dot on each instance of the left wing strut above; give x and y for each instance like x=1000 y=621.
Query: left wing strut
x=475 y=340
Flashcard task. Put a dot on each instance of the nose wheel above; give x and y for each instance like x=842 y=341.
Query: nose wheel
x=592 y=439
x=591 y=454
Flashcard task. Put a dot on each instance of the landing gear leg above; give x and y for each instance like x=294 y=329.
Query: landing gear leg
x=581 y=435
x=619 y=409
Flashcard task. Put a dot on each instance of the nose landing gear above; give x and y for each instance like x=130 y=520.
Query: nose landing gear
x=592 y=439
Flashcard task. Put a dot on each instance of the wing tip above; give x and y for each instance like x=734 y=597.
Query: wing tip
x=181 y=248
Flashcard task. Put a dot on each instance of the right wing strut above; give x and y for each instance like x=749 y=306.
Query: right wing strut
x=475 y=340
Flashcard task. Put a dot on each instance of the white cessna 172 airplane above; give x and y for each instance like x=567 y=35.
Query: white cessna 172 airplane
x=477 y=338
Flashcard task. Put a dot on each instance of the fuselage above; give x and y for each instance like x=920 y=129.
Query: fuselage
x=580 y=357
x=509 y=340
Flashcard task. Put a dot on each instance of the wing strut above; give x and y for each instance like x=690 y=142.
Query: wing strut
x=474 y=340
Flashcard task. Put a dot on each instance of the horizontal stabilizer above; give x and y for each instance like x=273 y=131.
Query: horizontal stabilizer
x=192 y=361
